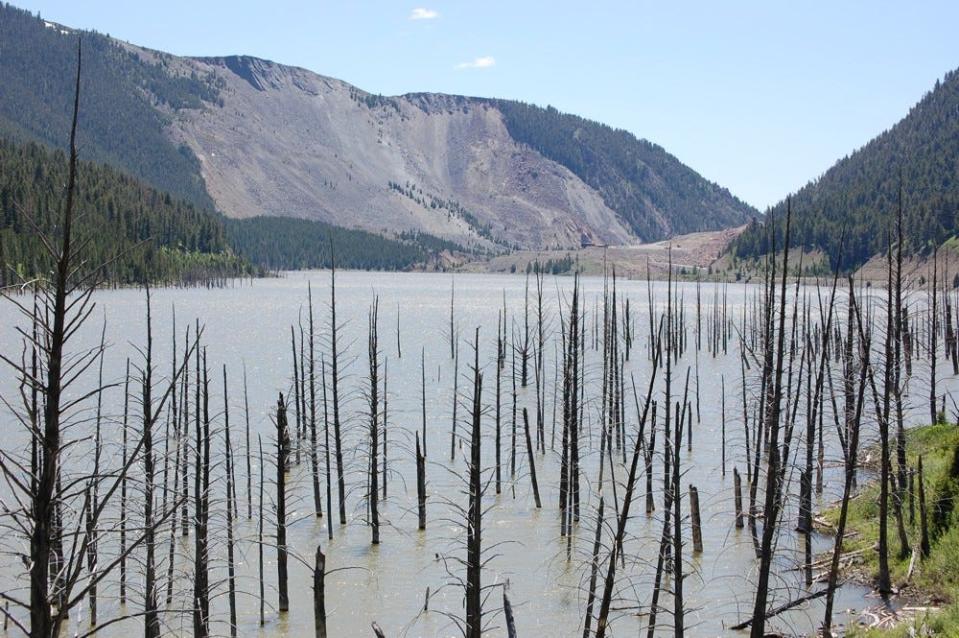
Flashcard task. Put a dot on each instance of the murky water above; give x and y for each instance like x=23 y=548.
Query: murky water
x=250 y=325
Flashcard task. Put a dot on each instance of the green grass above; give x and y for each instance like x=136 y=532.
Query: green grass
x=935 y=580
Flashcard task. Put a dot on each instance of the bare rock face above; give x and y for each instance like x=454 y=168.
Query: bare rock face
x=286 y=141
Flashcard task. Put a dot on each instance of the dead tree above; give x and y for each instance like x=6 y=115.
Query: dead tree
x=474 y=518
x=373 y=350
x=282 y=453
x=319 y=594
x=335 y=383
x=201 y=496
x=230 y=511
x=602 y=621
x=62 y=515
x=314 y=462
x=773 y=491
x=850 y=460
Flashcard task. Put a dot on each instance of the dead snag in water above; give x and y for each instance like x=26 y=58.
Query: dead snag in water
x=850 y=460
x=326 y=451
x=452 y=326
x=298 y=415
x=123 y=488
x=474 y=609
x=282 y=452
x=696 y=522
x=374 y=365
x=259 y=537
x=508 y=615
x=201 y=488
x=314 y=462
x=594 y=568
x=499 y=430
x=738 y=497
x=456 y=375
x=319 y=594
x=335 y=382
x=774 y=487
x=386 y=369
x=420 y=485
x=602 y=620
x=230 y=511
x=532 y=462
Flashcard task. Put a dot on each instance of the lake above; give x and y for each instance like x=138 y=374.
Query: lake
x=248 y=325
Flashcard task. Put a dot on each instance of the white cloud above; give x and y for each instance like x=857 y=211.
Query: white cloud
x=421 y=13
x=484 y=62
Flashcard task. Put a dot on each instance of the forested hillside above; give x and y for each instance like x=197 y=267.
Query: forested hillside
x=860 y=193
x=286 y=243
x=652 y=191
x=122 y=105
x=146 y=235
x=140 y=233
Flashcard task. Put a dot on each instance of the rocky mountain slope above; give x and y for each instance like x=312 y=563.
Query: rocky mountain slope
x=266 y=139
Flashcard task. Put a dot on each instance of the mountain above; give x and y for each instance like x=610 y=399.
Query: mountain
x=859 y=196
x=252 y=137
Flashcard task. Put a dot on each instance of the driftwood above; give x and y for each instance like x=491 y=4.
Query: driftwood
x=778 y=610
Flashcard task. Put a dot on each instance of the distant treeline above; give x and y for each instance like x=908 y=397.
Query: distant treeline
x=139 y=233
x=856 y=200
x=285 y=243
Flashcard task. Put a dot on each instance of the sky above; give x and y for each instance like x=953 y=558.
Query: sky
x=760 y=97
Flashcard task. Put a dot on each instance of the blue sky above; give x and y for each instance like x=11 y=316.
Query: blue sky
x=758 y=96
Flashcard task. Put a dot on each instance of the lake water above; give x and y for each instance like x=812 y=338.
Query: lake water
x=249 y=324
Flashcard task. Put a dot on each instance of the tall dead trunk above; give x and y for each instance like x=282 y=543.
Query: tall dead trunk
x=230 y=511
x=282 y=455
x=314 y=463
x=335 y=383
x=319 y=593
x=474 y=545
x=373 y=350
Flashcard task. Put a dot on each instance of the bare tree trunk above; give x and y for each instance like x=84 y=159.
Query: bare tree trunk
x=150 y=617
x=420 y=485
x=230 y=511
x=474 y=587
x=201 y=484
x=532 y=461
x=315 y=465
x=773 y=470
x=594 y=568
x=44 y=502
x=259 y=536
x=373 y=496
x=282 y=442
x=319 y=592
x=335 y=381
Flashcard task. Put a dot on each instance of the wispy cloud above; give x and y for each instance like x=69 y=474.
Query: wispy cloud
x=420 y=13
x=484 y=62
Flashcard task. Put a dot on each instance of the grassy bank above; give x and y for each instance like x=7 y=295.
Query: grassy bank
x=934 y=581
